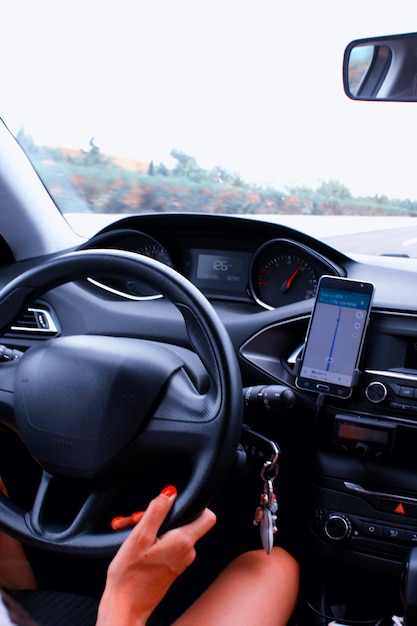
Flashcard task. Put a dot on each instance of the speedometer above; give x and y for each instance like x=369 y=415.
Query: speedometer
x=285 y=279
x=284 y=272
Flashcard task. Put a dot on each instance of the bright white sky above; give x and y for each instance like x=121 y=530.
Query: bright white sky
x=253 y=86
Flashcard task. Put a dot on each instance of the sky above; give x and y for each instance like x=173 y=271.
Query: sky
x=255 y=87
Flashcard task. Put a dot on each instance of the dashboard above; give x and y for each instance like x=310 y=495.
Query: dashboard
x=270 y=271
x=261 y=278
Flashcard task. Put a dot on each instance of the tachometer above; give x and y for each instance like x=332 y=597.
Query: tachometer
x=157 y=252
x=132 y=241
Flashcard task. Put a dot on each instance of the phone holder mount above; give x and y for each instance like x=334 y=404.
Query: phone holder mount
x=321 y=388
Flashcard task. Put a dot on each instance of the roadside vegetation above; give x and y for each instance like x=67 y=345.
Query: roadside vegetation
x=88 y=180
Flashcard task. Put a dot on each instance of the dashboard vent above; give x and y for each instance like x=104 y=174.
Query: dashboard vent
x=35 y=320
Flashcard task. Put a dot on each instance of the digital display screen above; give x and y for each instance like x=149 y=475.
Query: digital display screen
x=220 y=271
x=353 y=432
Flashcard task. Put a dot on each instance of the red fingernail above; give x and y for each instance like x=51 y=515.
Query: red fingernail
x=118 y=523
x=168 y=491
x=121 y=522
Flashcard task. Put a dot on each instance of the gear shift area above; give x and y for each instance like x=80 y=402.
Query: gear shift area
x=409 y=588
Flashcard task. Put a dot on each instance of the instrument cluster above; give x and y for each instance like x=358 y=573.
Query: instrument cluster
x=274 y=274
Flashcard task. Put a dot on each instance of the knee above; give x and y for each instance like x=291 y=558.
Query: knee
x=279 y=563
x=283 y=559
x=287 y=565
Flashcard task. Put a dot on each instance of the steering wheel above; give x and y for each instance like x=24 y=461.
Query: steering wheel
x=94 y=411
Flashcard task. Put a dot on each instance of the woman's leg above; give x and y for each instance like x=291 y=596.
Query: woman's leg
x=256 y=588
x=15 y=571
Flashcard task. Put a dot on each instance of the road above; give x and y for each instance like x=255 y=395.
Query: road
x=395 y=241
x=357 y=234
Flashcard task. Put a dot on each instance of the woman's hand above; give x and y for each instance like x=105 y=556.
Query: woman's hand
x=146 y=565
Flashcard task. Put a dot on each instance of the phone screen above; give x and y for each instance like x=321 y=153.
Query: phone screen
x=335 y=336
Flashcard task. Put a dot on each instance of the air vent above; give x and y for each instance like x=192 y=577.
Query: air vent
x=35 y=320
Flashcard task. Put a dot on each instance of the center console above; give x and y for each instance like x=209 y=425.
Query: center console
x=364 y=496
x=365 y=511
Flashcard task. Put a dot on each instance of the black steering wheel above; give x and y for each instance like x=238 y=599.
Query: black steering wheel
x=96 y=411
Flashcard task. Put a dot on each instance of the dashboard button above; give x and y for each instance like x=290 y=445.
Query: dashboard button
x=372 y=530
x=411 y=536
x=394 y=533
x=399 y=507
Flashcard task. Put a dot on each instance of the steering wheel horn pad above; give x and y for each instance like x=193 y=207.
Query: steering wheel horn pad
x=79 y=400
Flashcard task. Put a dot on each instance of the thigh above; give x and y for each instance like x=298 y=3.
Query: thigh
x=255 y=588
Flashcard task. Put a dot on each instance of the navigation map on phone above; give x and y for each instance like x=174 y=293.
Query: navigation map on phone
x=343 y=315
x=335 y=336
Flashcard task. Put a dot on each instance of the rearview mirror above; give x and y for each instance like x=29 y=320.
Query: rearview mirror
x=382 y=68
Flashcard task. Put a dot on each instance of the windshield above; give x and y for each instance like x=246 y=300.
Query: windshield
x=222 y=107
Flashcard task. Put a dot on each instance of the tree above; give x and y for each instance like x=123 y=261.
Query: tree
x=188 y=167
x=334 y=189
x=93 y=156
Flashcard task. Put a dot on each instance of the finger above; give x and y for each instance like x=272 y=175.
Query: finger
x=117 y=523
x=190 y=533
x=201 y=525
x=155 y=514
x=180 y=542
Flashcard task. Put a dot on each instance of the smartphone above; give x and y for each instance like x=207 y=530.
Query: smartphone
x=335 y=336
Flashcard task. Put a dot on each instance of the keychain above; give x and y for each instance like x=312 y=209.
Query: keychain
x=258 y=446
x=266 y=513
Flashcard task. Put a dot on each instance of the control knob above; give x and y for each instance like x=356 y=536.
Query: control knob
x=376 y=392
x=338 y=527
